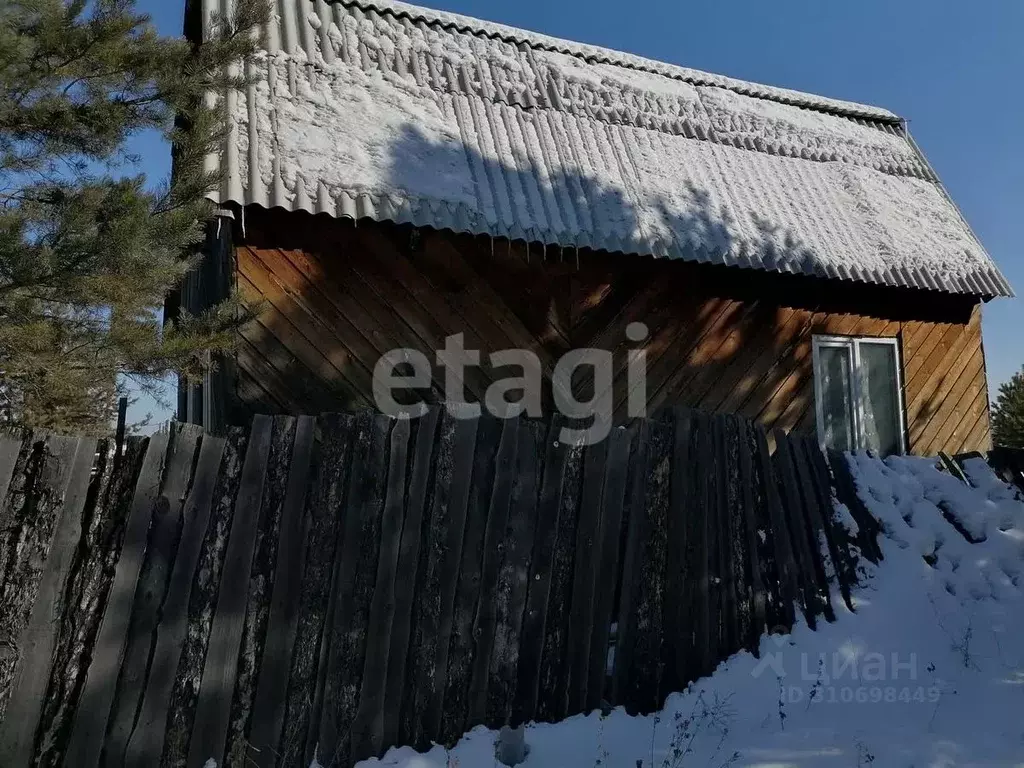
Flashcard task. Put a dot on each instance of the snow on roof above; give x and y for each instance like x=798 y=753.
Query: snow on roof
x=385 y=110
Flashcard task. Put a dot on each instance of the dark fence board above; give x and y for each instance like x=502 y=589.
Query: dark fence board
x=447 y=530
x=461 y=649
x=146 y=743
x=705 y=553
x=728 y=624
x=268 y=709
x=494 y=536
x=319 y=586
x=821 y=485
x=813 y=524
x=789 y=580
x=368 y=726
x=260 y=585
x=846 y=493
x=396 y=697
x=586 y=565
x=613 y=496
x=740 y=579
x=67 y=471
x=91 y=717
x=553 y=471
x=752 y=527
x=677 y=647
x=213 y=709
x=150 y=591
x=792 y=503
x=360 y=542
x=512 y=587
x=552 y=700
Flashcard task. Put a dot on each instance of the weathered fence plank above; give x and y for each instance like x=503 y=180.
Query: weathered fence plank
x=613 y=497
x=542 y=565
x=146 y=743
x=360 y=542
x=812 y=524
x=792 y=504
x=268 y=708
x=756 y=593
x=66 y=473
x=511 y=589
x=368 y=725
x=94 y=708
x=409 y=558
x=587 y=564
x=552 y=700
x=821 y=487
x=729 y=620
x=447 y=529
x=318 y=589
x=789 y=585
x=702 y=522
x=150 y=591
x=462 y=646
x=213 y=709
x=494 y=536
x=677 y=646
x=868 y=528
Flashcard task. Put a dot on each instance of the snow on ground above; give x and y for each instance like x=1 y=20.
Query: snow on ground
x=928 y=672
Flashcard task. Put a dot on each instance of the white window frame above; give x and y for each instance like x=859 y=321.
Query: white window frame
x=853 y=343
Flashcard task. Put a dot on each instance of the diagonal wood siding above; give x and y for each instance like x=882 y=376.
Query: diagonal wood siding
x=336 y=297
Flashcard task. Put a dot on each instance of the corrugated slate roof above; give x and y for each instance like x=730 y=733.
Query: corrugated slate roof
x=385 y=110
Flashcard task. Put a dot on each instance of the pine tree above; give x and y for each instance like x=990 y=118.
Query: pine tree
x=1008 y=413
x=88 y=250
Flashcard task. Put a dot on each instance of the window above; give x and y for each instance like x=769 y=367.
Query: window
x=857 y=394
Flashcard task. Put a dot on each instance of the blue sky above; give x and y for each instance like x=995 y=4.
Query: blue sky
x=950 y=67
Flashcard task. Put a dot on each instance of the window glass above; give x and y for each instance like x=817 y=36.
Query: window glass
x=879 y=399
x=837 y=400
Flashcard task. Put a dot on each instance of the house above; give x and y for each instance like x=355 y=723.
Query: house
x=398 y=175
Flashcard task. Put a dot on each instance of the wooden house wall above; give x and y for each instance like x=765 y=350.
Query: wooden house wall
x=336 y=296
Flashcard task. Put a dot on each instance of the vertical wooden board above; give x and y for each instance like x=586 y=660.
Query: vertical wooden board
x=677 y=645
x=357 y=568
x=586 y=565
x=213 y=709
x=756 y=591
x=397 y=698
x=701 y=522
x=542 y=564
x=813 y=525
x=552 y=703
x=147 y=740
x=268 y=709
x=368 y=725
x=835 y=535
x=86 y=740
x=785 y=561
x=151 y=590
x=330 y=466
x=462 y=645
x=613 y=495
x=846 y=493
x=511 y=589
x=494 y=537
x=740 y=579
x=792 y=504
x=203 y=600
x=258 y=588
x=638 y=653
x=66 y=477
x=725 y=465
x=714 y=516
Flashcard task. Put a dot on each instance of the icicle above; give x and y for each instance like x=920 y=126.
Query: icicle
x=243 y=222
x=545 y=253
x=577 y=257
x=219 y=220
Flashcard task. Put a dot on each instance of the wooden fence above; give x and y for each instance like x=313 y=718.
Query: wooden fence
x=346 y=583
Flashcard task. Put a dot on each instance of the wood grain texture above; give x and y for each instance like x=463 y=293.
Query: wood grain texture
x=727 y=341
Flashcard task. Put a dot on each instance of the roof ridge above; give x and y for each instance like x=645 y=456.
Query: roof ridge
x=595 y=54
